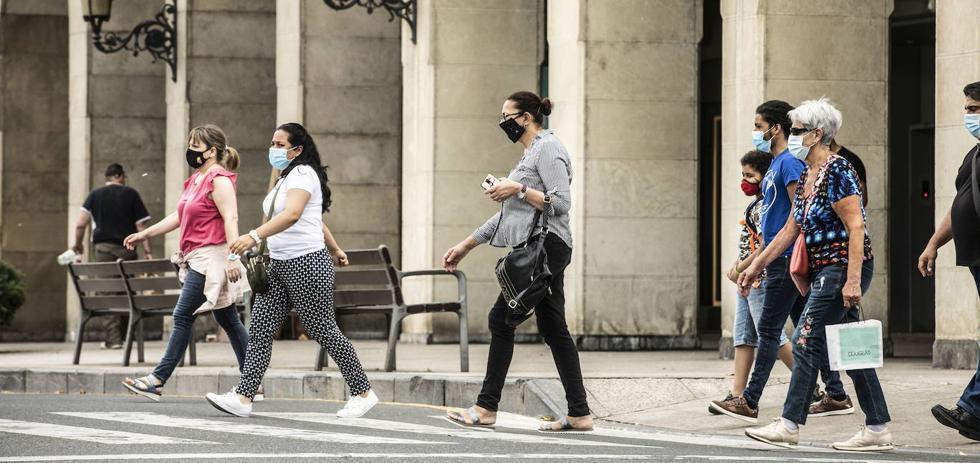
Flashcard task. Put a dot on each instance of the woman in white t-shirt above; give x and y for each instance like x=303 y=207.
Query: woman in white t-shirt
x=301 y=274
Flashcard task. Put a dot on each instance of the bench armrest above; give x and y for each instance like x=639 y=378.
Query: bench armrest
x=458 y=274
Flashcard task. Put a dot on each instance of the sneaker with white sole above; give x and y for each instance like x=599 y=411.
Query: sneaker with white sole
x=357 y=406
x=775 y=434
x=259 y=395
x=229 y=403
x=867 y=440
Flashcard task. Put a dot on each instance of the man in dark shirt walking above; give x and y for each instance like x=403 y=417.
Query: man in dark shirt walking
x=115 y=212
x=962 y=225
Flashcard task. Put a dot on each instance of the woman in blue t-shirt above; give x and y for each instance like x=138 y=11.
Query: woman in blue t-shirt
x=829 y=213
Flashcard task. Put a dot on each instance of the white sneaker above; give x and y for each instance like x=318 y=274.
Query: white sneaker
x=229 y=403
x=776 y=434
x=259 y=395
x=867 y=440
x=357 y=406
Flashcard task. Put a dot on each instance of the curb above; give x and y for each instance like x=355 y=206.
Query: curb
x=525 y=396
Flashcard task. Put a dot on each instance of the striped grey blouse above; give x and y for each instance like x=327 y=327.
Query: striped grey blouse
x=545 y=167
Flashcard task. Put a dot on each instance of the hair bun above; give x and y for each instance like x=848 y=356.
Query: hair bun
x=546 y=106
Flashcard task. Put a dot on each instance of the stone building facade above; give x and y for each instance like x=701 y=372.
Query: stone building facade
x=408 y=129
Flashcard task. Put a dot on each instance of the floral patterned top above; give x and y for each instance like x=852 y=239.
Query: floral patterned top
x=825 y=234
x=749 y=238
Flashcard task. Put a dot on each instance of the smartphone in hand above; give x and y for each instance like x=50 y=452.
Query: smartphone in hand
x=489 y=182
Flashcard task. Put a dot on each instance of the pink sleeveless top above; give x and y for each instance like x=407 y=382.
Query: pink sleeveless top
x=200 y=222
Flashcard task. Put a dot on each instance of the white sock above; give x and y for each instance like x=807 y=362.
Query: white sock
x=878 y=427
x=156 y=381
x=789 y=424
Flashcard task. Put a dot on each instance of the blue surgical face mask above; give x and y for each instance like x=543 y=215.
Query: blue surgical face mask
x=796 y=148
x=972 y=124
x=278 y=159
x=760 y=142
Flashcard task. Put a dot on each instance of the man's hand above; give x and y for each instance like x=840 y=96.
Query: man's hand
x=927 y=261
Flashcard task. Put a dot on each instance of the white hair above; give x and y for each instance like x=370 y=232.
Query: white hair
x=818 y=114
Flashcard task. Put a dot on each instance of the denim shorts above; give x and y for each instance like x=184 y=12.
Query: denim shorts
x=748 y=311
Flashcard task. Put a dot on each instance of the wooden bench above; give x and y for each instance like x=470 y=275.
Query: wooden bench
x=116 y=288
x=372 y=285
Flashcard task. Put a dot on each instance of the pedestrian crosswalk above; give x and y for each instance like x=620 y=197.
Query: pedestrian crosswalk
x=100 y=436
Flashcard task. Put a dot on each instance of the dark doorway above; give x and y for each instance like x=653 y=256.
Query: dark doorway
x=911 y=165
x=709 y=184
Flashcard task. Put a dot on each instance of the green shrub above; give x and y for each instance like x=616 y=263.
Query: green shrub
x=11 y=292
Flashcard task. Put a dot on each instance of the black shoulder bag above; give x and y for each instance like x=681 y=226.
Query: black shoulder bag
x=523 y=274
x=257 y=264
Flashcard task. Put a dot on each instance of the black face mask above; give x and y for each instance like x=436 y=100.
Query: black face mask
x=195 y=159
x=513 y=130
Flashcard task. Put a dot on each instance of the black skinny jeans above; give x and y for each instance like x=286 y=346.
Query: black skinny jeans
x=550 y=314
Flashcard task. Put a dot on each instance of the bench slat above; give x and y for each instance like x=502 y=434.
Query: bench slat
x=377 y=277
x=362 y=297
x=365 y=257
x=154 y=283
x=105 y=302
x=133 y=267
x=101 y=284
x=155 y=301
x=96 y=269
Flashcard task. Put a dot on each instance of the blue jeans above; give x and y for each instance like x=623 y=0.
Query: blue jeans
x=782 y=299
x=191 y=298
x=747 y=314
x=970 y=400
x=825 y=306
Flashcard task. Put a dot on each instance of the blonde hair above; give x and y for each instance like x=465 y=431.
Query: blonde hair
x=212 y=136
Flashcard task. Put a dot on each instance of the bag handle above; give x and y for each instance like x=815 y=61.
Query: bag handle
x=821 y=175
x=534 y=223
x=263 y=248
x=975 y=180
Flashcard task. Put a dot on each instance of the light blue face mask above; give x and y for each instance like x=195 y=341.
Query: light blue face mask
x=796 y=148
x=760 y=142
x=278 y=159
x=972 y=124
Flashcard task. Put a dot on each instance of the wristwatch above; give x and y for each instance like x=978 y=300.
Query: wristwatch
x=522 y=195
x=255 y=236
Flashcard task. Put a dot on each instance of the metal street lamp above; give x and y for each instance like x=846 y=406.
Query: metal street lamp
x=158 y=36
x=404 y=9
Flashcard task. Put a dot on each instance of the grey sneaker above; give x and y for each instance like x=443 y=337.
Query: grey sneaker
x=867 y=440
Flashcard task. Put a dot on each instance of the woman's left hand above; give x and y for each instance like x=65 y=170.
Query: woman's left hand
x=232 y=271
x=505 y=188
x=242 y=244
x=851 y=293
x=340 y=257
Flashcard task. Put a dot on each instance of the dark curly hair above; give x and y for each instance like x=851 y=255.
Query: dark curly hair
x=298 y=136
x=757 y=160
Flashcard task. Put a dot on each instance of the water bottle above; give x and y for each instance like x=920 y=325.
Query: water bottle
x=67 y=257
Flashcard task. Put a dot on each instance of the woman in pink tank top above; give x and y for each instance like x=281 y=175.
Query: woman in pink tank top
x=207 y=215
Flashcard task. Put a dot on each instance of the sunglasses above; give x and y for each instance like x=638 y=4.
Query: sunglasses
x=800 y=130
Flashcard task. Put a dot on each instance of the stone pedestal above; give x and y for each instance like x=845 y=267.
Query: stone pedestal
x=849 y=66
x=957 y=64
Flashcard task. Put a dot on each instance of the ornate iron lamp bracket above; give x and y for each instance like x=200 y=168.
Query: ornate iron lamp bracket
x=158 y=36
x=404 y=9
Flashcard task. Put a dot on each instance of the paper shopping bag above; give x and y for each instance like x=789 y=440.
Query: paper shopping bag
x=855 y=346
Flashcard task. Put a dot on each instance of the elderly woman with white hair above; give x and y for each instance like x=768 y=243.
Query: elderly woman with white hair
x=829 y=212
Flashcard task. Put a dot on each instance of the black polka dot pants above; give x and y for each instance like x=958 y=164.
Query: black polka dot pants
x=304 y=284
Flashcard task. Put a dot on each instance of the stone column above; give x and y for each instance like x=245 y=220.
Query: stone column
x=469 y=57
x=225 y=76
x=339 y=74
x=957 y=64
x=624 y=80
x=762 y=61
x=117 y=114
x=33 y=160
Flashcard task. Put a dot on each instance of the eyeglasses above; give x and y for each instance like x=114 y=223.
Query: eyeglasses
x=504 y=116
x=799 y=130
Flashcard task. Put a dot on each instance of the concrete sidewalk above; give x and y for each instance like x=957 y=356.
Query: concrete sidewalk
x=667 y=390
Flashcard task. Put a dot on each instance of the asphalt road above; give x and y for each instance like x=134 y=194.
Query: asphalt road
x=114 y=428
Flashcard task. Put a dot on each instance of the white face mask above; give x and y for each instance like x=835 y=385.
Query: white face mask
x=796 y=148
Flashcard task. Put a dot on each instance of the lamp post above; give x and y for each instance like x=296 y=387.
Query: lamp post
x=158 y=36
x=404 y=9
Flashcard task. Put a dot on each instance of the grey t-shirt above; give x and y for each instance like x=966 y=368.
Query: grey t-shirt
x=545 y=167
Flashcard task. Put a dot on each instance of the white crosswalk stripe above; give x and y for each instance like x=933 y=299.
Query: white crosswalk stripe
x=99 y=436
x=344 y=456
x=154 y=419
x=384 y=425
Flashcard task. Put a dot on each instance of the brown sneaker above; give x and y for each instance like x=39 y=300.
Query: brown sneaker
x=830 y=407
x=736 y=407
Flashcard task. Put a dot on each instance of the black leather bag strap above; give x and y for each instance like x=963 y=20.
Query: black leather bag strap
x=975 y=180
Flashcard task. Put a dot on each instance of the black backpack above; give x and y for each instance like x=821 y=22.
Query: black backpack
x=523 y=274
